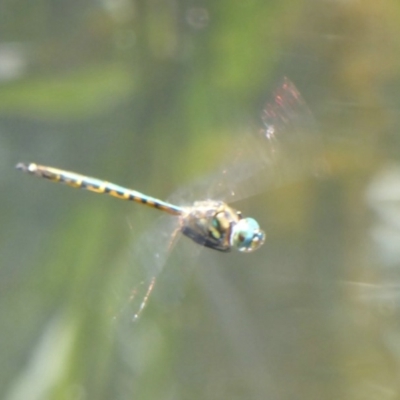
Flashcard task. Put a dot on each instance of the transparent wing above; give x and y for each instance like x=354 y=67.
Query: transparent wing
x=154 y=269
x=141 y=266
x=287 y=147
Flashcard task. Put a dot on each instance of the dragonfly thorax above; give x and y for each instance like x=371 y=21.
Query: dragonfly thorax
x=214 y=224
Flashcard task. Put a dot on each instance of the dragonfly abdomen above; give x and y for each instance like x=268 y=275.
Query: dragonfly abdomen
x=98 y=186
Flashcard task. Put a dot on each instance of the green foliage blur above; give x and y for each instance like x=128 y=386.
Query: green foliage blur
x=151 y=94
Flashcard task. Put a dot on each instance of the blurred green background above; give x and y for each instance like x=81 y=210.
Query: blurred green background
x=149 y=94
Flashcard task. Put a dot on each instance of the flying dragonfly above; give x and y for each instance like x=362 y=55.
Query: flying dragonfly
x=210 y=223
x=284 y=148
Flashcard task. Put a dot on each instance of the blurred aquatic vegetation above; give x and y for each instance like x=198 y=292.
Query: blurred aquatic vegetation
x=149 y=94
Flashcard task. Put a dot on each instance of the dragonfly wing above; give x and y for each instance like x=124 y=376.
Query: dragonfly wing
x=156 y=268
x=284 y=149
x=142 y=265
x=287 y=147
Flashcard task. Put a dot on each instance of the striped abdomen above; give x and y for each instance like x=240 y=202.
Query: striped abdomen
x=97 y=186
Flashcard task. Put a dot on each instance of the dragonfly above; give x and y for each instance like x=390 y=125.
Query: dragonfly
x=210 y=223
x=281 y=149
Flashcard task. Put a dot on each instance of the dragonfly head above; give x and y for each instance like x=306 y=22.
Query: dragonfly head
x=246 y=235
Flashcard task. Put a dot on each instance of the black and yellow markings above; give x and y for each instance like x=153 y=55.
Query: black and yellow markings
x=119 y=194
x=48 y=175
x=162 y=207
x=220 y=225
x=75 y=183
x=95 y=185
x=149 y=202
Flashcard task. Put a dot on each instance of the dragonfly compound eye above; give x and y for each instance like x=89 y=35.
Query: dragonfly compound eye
x=246 y=235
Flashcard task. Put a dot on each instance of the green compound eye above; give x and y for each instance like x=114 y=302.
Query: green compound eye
x=246 y=235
